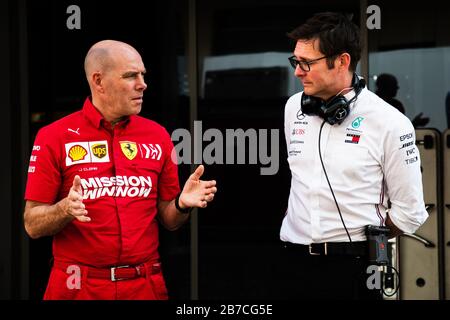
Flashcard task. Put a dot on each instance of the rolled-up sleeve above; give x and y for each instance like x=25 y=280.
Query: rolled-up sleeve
x=403 y=177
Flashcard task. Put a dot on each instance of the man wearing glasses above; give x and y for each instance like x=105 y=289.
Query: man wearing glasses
x=349 y=153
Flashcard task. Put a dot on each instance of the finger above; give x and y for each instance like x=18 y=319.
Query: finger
x=83 y=218
x=211 y=190
x=75 y=196
x=209 y=184
x=198 y=173
x=209 y=197
x=76 y=185
x=203 y=204
x=78 y=212
x=77 y=205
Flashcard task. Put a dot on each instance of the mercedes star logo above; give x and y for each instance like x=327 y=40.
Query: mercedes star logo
x=300 y=115
x=341 y=114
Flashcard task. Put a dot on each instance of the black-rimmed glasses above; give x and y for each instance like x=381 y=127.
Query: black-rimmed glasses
x=304 y=64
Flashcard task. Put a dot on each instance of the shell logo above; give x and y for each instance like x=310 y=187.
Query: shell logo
x=77 y=153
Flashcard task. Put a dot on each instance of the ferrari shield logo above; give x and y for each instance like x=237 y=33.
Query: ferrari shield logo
x=129 y=149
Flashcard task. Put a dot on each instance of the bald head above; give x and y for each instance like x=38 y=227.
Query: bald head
x=115 y=73
x=101 y=56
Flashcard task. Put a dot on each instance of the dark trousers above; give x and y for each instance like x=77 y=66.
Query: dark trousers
x=305 y=276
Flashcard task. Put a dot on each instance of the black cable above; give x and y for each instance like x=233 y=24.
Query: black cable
x=329 y=185
x=353 y=99
x=395 y=287
x=340 y=214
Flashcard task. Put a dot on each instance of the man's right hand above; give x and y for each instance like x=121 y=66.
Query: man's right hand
x=74 y=205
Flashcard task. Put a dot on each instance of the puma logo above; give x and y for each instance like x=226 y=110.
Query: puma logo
x=74 y=131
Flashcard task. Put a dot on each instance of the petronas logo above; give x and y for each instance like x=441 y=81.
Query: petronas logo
x=357 y=122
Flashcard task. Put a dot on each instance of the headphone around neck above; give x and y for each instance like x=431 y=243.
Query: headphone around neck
x=334 y=110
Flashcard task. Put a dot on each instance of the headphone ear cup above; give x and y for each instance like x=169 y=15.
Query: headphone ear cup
x=335 y=110
x=358 y=84
x=311 y=105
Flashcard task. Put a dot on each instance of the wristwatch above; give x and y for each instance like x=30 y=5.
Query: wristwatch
x=177 y=205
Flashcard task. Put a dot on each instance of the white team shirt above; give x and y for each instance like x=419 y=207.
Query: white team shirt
x=369 y=158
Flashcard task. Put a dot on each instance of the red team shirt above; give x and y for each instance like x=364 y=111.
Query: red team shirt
x=124 y=171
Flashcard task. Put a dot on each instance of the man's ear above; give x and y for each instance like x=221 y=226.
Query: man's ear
x=97 y=81
x=344 y=60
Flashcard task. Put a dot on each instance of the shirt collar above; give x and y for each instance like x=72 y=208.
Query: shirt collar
x=349 y=95
x=96 y=118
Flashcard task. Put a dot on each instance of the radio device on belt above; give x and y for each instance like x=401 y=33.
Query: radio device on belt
x=377 y=239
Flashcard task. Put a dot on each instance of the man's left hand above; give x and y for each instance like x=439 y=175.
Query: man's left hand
x=196 y=192
x=395 y=232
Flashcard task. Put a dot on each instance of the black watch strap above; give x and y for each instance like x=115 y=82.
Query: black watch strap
x=177 y=205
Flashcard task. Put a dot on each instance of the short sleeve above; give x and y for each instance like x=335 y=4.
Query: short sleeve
x=169 y=185
x=44 y=173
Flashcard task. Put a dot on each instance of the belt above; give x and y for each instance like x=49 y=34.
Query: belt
x=330 y=248
x=116 y=273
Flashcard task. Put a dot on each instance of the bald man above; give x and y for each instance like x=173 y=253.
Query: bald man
x=98 y=181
